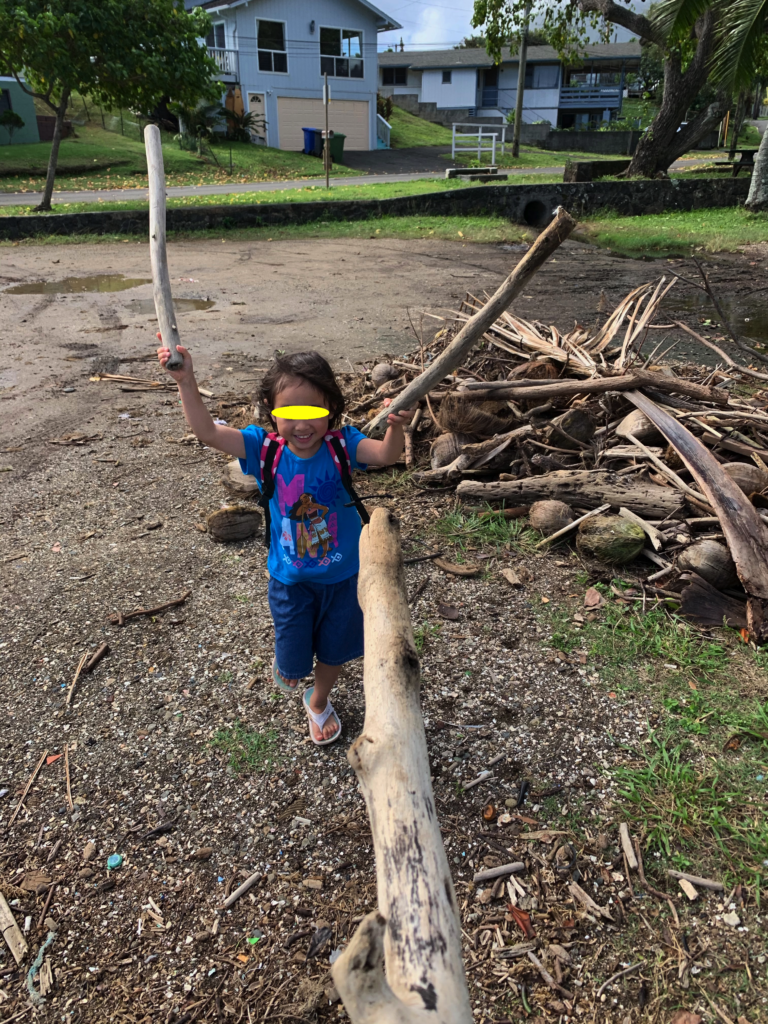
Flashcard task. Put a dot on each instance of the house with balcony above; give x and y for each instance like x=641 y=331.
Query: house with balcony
x=273 y=55
x=456 y=85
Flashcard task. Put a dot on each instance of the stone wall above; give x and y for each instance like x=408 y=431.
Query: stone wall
x=521 y=204
x=607 y=143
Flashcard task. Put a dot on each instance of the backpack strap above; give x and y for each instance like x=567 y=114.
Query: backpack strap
x=338 y=449
x=271 y=450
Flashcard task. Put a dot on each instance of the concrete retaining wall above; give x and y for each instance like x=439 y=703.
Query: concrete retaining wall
x=607 y=143
x=521 y=204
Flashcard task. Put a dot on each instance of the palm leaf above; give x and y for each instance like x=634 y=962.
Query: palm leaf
x=744 y=36
x=677 y=17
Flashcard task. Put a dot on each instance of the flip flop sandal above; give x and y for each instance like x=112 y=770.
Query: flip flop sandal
x=278 y=680
x=320 y=719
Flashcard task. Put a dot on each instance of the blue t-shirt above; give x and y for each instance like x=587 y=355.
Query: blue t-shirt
x=314 y=538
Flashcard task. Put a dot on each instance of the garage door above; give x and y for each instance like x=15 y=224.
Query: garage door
x=347 y=116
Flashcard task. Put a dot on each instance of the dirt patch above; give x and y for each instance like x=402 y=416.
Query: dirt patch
x=147 y=732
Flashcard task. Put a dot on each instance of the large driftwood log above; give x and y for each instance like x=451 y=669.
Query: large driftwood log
x=583 y=487
x=416 y=931
x=519 y=390
x=477 y=325
x=744 y=530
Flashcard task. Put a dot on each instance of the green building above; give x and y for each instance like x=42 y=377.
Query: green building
x=13 y=97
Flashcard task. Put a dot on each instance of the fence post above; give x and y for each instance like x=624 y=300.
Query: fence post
x=493 y=150
x=453 y=142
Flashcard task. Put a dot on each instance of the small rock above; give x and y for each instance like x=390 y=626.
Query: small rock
x=202 y=854
x=313 y=883
x=732 y=920
x=85 y=873
x=202 y=936
x=90 y=851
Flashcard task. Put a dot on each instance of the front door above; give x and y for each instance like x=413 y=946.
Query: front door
x=490 y=95
x=258 y=107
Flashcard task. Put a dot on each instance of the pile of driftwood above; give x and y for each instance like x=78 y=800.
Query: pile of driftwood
x=589 y=435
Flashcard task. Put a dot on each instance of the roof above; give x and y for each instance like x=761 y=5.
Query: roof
x=385 y=23
x=478 y=58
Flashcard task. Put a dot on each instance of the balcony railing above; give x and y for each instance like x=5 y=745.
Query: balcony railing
x=590 y=96
x=490 y=96
x=227 y=61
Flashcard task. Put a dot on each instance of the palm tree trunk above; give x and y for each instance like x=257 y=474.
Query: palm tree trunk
x=758 y=189
x=53 y=159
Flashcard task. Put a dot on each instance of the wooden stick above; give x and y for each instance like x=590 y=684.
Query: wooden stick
x=626 y=845
x=515 y=868
x=615 y=977
x=408 y=432
x=119 y=617
x=703 y=883
x=652 y=533
x=102 y=652
x=567 y=388
x=649 y=888
x=70 y=803
x=11 y=932
x=664 y=469
x=27 y=788
x=573 y=525
x=416 y=929
x=242 y=890
x=161 y=282
x=71 y=690
x=44 y=911
x=547 y=242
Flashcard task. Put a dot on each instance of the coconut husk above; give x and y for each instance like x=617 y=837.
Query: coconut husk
x=637 y=424
x=446 y=449
x=712 y=561
x=233 y=523
x=610 y=539
x=383 y=372
x=535 y=369
x=476 y=419
x=574 y=426
x=750 y=478
x=550 y=516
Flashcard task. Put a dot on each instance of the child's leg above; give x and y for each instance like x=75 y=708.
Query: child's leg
x=325 y=680
x=293 y=612
x=338 y=639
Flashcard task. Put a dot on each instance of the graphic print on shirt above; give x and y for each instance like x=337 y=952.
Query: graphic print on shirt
x=315 y=529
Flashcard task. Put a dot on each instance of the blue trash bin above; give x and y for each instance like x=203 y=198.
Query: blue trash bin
x=313 y=142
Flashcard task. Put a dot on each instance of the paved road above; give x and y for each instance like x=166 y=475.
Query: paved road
x=174 y=192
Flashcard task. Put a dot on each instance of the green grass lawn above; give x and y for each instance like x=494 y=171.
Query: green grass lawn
x=408 y=131
x=104 y=159
x=666 y=233
x=310 y=193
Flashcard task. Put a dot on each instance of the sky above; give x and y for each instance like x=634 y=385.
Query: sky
x=439 y=26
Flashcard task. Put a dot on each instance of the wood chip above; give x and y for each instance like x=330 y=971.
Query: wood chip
x=11 y=932
x=578 y=894
x=456 y=570
x=690 y=891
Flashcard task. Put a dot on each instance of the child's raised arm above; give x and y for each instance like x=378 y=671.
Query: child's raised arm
x=389 y=450
x=224 y=439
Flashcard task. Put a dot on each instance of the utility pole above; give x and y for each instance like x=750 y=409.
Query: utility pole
x=326 y=141
x=522 y=58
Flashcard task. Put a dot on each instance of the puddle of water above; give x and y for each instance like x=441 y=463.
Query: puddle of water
x=94 y=283
x=748 y=315
x=180 y=305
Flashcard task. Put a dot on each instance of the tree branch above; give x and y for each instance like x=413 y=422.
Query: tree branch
x=628 y=19
x=37 y=95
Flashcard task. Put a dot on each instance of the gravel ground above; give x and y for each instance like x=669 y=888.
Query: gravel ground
x=108 y=521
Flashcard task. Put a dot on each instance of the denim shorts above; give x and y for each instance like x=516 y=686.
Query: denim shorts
x=322 y=619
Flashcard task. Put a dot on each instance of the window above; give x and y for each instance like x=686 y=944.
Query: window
x=215 y=39
x=271 y=46
x=341 y=53
x=447 y=77
x=5 y=100
x=394 y=76
x=545 y=76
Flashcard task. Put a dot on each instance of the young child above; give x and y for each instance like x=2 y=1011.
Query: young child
x=315 y=528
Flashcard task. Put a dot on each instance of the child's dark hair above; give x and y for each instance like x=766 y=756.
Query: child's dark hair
x=308 y=366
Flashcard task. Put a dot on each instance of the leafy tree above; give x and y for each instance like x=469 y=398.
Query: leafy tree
x=120 y=52
x=11 y=121
x=687 y=60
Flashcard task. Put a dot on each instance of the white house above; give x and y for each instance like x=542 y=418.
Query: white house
x=277 y=51
x=466 y=83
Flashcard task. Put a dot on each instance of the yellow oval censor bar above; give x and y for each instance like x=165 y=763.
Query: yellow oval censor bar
x=300 y=412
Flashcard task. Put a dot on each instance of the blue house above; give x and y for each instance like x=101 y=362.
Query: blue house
x=452 y=85
x=276 y=52
x=13 y=97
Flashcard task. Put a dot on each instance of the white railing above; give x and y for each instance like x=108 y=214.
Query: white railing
x=226 y=60
x=481 y=138
x=383 y=130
